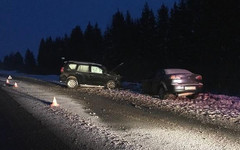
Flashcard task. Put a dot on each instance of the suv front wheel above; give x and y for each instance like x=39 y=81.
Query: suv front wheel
x=72 y=82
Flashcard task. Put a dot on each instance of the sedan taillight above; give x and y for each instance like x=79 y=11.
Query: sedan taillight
x=199 y=77
x=62 y=70
x=173 y=77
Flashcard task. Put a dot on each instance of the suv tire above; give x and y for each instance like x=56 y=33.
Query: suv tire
x=111 y=84
x=72 y=82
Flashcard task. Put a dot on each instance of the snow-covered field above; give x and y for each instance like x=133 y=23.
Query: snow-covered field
x=71 y=122
x=50 y=78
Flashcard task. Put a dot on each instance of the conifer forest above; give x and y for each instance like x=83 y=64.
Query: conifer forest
x=202 y=36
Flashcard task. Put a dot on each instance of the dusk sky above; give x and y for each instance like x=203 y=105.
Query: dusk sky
x=23 y=23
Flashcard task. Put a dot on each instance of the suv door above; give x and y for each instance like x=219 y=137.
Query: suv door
x=69 y=70
x=97 y=75
x=82 y=74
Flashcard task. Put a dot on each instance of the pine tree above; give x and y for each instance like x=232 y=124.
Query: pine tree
x=1 y=64
x=148 y=49
x=14 y=61
x=41 y=54
x=30 y=63
x=163 y=36
x=88 y=36
x=76 y=45
x=18 y=61
x=6 y=62
x=115 y=40
x=93 y=43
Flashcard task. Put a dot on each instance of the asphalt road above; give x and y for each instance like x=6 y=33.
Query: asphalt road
x=19 y=130
x=153 y=129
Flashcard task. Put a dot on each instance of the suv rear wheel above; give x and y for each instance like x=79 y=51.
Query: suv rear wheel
x=111 y=84
x=72 y=82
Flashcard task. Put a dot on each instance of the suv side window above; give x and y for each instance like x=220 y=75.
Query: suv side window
x=72 y=66
x=96 y=69
x=83 y=68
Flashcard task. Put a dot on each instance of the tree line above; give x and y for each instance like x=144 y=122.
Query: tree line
x=199 y=35
x=15 y=61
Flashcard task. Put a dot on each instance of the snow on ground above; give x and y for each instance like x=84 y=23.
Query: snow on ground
x=215 y=109
x=75 y=127
x=79 y=128
x=50 y=78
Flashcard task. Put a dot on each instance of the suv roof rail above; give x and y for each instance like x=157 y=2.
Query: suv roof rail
x=81 y=62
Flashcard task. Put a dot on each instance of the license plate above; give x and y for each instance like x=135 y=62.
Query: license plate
x=190 y=87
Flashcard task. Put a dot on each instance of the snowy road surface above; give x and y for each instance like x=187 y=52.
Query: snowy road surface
x=97 y=122
x=19 y=130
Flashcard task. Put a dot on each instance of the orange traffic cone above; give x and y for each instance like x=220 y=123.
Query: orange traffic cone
x=7 y=81
x=15 y=85
x=54 y=103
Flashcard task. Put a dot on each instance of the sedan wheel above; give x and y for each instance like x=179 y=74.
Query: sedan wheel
x=72 y=83
x=110 y=84
x=162 y=93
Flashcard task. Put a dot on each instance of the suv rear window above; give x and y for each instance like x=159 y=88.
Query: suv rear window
x=83 y=68
x=72 y=66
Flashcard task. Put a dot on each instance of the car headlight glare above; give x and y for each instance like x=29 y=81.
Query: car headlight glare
x=179 y=87
x=176 y=81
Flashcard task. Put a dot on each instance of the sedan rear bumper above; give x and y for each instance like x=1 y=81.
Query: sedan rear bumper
x=186 y=88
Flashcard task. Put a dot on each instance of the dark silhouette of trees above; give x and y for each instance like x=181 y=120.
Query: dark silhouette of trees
x=202 y=36
x=162 y=22
x=17 y=61
x=6 y=62
x=13 y=62
x=115 y=40
x=76 y=49
x=29 y=62
x=93 y=43
x=1 y=64
x=50 y=54
x=42 y=55
x=148 y=52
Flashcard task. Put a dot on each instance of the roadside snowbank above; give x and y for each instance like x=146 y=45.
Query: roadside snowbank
x=208 y=108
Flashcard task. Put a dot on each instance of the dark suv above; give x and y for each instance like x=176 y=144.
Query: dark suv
x=75 y=73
